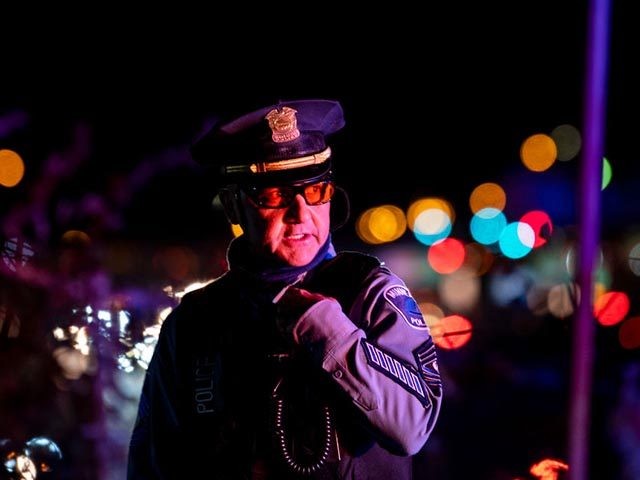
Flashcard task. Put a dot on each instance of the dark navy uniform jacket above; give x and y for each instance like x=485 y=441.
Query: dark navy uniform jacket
x=208 y=408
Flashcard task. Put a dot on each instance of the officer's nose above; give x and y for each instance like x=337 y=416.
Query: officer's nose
x=298 y=211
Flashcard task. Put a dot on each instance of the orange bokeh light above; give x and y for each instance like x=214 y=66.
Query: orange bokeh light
x=11 y=168
x=538 y=152
x=487 y=195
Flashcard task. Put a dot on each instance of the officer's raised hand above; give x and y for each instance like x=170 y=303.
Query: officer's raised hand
x=292 y=305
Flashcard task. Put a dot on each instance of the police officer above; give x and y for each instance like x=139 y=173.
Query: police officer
x=297 y=362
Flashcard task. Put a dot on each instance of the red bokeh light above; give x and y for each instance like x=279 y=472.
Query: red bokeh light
x=446 y=256
x=610 y=308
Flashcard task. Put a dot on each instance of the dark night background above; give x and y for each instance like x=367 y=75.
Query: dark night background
x=435 y=103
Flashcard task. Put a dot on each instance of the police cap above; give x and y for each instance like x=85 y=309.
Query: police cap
x=278 y=144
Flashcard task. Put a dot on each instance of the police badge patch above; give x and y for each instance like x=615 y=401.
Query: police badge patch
x=400 y=298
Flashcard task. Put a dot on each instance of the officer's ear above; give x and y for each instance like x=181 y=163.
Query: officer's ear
x=231 y=204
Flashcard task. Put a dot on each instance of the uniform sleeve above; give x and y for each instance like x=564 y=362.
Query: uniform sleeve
x=153 y=448
x=382 y=355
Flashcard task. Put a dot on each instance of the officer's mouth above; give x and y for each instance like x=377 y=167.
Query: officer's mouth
x=298 y=237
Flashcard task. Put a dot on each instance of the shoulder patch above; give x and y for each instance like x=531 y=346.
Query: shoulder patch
x=400 y=298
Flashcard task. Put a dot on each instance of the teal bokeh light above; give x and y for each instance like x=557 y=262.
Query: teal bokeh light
x=487 y=225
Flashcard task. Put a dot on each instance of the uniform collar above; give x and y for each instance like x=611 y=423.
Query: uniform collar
x=243 y=260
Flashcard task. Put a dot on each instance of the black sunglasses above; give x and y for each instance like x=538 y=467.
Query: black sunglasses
x=315 y=193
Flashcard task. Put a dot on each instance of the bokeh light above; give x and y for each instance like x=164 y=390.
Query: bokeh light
x=629 y=333
x=487 y=195
x=363 y=229
x=387 y=223
x=599 y=289
x=11 y=168
x=452 y=332
x=610 y=308
x=431 y=226
x=568 y=141
x=570 y=260
x=516 y=240
x=563 y=299
x=509 y=285
x=428 y=203
x=76 y=237
x=541 y=225
x=446 y=256
x=487 y=225
x=538 y=152
x=607 y=173
x=431 y=312
x=477 y=258
x=431 y=219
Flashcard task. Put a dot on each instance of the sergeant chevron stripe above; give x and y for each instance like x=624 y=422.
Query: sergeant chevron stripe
x=395 y=369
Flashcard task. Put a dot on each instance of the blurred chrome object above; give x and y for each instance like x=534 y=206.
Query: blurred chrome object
x=38 y=455
x=114 y=333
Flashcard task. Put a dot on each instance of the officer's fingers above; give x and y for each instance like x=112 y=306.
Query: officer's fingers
x=296 y=300
x=305 y=294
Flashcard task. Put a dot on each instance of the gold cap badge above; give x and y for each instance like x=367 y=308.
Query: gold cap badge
x=283 y=124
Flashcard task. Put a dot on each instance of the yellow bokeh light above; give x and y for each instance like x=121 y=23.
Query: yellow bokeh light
x=423 y=204
x=11 y=168
x=487 y=195
x=387 y=223
x=363 y=227
x=538 y=152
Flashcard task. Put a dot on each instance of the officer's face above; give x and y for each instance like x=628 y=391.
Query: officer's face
x=293 y=234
